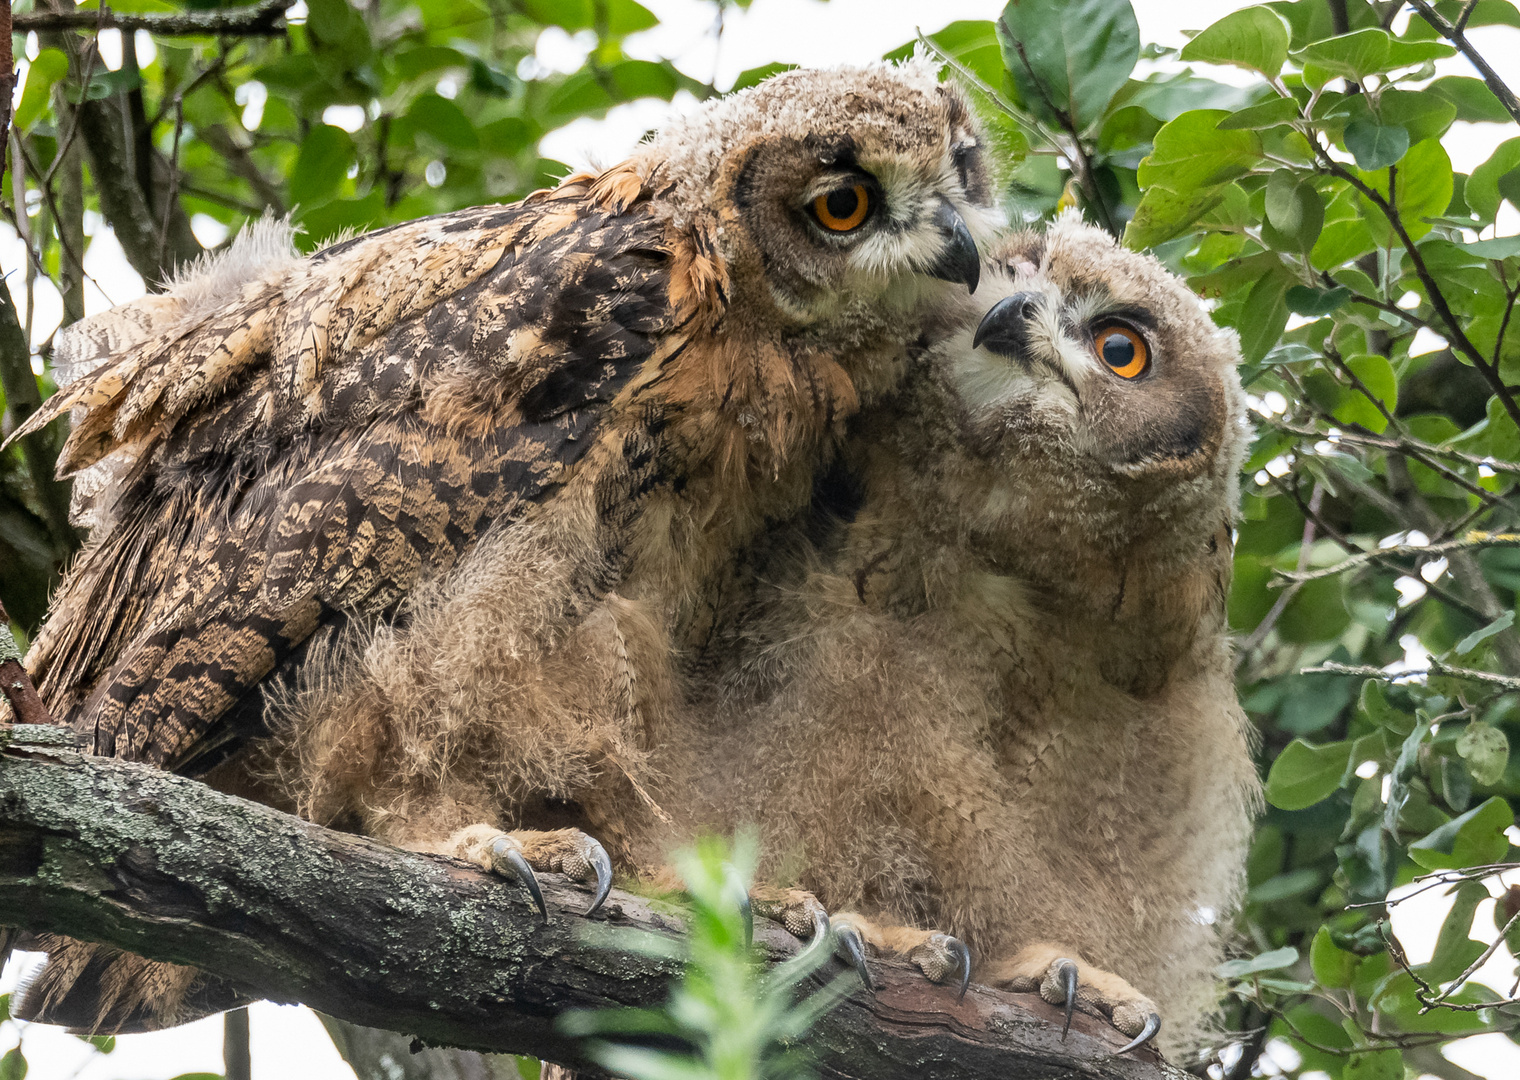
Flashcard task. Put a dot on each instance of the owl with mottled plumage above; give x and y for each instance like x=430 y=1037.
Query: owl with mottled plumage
x=983 y=686
x=557 y=421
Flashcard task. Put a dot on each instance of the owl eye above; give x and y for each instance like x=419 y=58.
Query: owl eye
x=844 y=209
x=1123 y=350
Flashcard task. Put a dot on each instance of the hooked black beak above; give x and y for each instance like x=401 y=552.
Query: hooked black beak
x=1003 y=328
x=960 y=261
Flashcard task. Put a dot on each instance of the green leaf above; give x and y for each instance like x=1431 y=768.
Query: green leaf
x=1474 y=839
x=1254 y=38
x=1190 y=153
x=339 y=25
x=622 y=17
x=1374 y=145
x=1472 y=640
x=50 y=66
x=1474 y=101
x=1313 y=303
x=1275 y=960
x=13 y=1065
x=1295 y=212
x=1374 y=705
x=1482 y=190
x=1484 y=748
x=757 y=75
x=1163 y=214
x=1271 y=113
x=1303 y=774
x=1367 y=52
x=1283 y=886
x=1423 y=191
x=425 y=59
x=1069 y=57
x=1366 y=864
x=973 y=43
x=321 y=166
x=1264 y=317
x=1374 y=1065
x=443 y=120
x=1376 y=374
x=1333 y=966
x=1500 y=247
x=1454 y=947
x=1190 y=165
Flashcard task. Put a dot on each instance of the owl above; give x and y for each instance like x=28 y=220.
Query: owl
x=558 y=420
x=982 y=696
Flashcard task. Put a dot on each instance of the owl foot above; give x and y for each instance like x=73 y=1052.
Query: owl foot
x=1059 y=978
x=942 y=958
x=518 y=854
x=855 y=938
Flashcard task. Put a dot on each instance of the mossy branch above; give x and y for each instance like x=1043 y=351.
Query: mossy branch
x=134 y=857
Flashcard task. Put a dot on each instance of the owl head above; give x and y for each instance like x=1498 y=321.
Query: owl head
x=1092 y=412
x=834 y=192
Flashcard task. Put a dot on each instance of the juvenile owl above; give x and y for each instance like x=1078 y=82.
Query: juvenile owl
x=985 y=687
x=583 y=404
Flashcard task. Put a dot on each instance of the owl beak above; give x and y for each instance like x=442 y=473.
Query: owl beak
x=1004 y=328
x=959 y=260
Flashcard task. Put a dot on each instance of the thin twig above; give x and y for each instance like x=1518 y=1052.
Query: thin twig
x=1474 y=540
x=1367 y=671
x=1455 y=35
x=1263 y=628
x=1404 y=444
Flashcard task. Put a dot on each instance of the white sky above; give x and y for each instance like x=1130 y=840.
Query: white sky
x=288 y=1042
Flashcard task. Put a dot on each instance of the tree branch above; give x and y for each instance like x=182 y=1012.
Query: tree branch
x=1366 y=671
x=266 y=20
x=1455 y=35
x=164 y=866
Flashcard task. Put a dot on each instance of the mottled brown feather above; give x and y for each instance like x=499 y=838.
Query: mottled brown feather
x=309 y=449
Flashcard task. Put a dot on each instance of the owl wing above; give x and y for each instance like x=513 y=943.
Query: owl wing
x=298 y=454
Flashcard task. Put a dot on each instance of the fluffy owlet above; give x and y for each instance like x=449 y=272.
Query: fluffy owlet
x=985 y=685
x=583 y=403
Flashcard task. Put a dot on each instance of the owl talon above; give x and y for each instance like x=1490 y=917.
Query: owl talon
x=602 y=865
x=1147 y=1033
x=1066 y=973
x=507 y=860
x=848 y=936
x=962 y=954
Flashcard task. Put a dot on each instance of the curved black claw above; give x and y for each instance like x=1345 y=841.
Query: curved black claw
x=1147 y=1033
x=734 y=884
x=603 y=867
x=957 y=948
x=505 y=857
x=1066 y=971
x=820 y=939
x=849 y=937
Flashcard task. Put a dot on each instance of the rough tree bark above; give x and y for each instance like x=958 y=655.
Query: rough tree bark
x=164 y=866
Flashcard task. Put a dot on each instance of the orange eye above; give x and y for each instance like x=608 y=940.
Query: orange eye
x=1123 y=350
x=843 y=209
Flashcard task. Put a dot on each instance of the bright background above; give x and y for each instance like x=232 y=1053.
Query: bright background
x=287 y=1041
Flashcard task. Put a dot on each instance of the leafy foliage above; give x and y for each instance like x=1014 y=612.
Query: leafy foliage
x=738 y=1019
